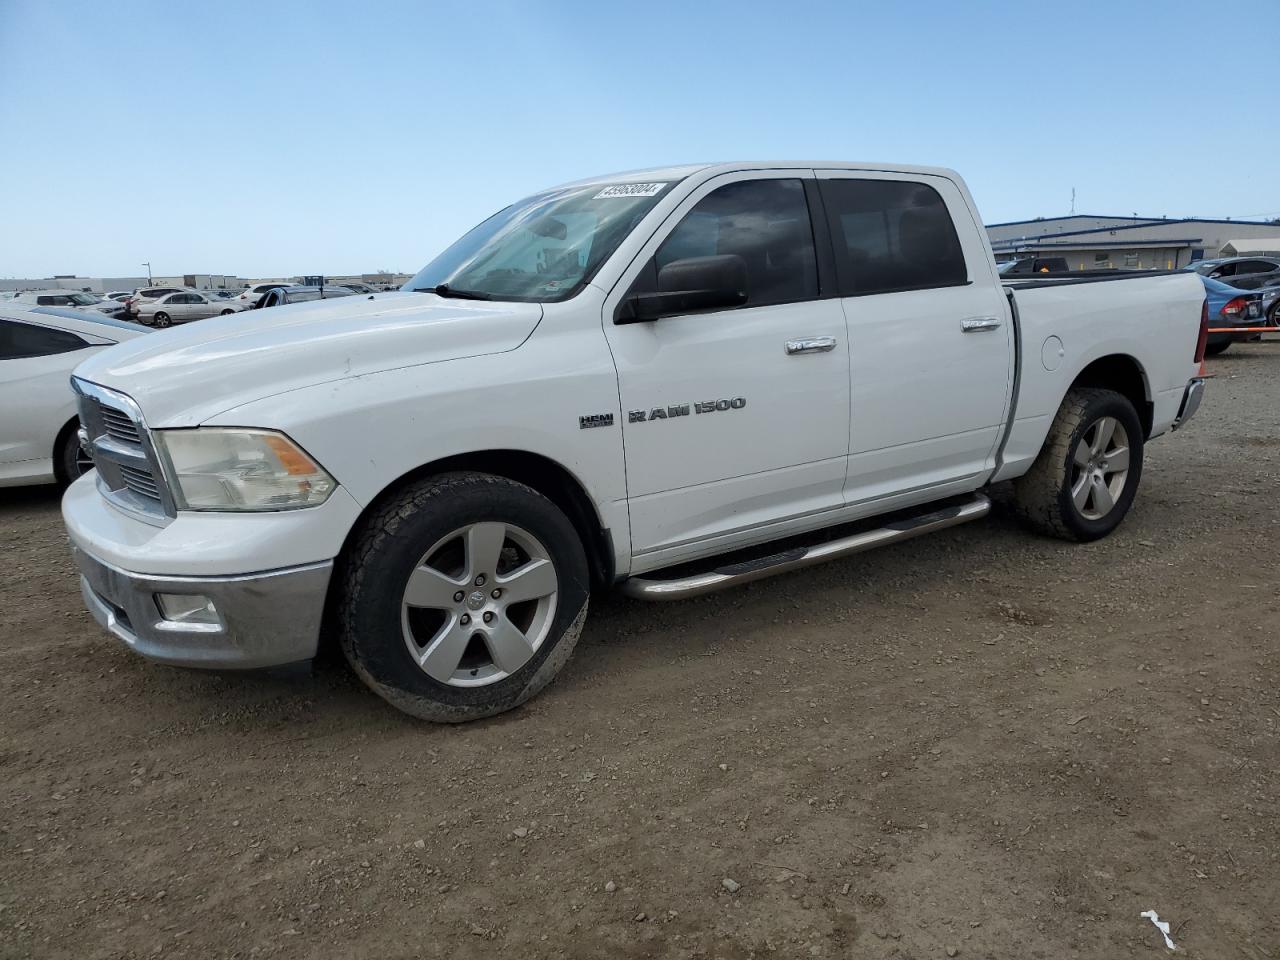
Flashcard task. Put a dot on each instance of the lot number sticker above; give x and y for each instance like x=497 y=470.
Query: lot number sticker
x=630 y=190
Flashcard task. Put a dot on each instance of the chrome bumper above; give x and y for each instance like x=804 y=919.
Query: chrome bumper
x=263 y=619
x=1190 y=401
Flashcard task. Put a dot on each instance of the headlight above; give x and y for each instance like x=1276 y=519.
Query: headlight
x=228 y=469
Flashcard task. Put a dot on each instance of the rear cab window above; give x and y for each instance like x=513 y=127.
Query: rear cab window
x=891 y=235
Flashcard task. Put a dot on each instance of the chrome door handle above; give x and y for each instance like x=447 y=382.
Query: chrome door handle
x=811 y=345
x=975 y=324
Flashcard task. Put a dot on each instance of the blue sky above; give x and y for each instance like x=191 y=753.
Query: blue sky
x=276 y=138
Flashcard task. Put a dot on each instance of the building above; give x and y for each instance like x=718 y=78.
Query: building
x=1090 y=242
x=70 y=282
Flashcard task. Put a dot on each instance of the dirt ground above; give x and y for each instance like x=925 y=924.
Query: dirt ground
x=983 y=744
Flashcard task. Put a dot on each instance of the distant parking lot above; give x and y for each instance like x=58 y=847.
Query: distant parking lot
x=979 y=744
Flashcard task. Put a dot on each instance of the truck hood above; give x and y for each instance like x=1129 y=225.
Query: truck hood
x=182 y=376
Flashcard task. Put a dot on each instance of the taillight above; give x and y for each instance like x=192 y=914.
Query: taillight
x=1203 y=340
x=1235 y=307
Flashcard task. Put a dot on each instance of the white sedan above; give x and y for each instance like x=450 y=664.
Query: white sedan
x=39 y=347
x=184 y=306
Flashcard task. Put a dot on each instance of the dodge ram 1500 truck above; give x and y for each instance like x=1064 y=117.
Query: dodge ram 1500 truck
x=667 y=381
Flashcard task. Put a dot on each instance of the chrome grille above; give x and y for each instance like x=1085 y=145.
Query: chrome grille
x=117 y=439
x=119 y=425
x=140 y=482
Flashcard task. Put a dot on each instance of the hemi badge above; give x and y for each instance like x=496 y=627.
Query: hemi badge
x=595 y=420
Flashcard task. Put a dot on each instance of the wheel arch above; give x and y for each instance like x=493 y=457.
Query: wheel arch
x=548 y=477
x=1122 y=373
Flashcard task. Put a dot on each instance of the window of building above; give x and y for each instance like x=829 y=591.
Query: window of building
x=19 y=340
x=891 y=235
x=766 y=223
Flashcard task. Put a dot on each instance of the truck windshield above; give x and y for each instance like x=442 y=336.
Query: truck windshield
x=544 y=248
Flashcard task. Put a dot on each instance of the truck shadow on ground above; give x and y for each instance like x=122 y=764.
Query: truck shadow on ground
x=622 y=638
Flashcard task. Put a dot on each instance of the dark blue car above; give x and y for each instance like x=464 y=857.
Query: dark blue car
x=1230 y=307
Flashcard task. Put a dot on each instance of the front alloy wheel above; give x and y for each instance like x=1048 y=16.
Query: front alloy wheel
x=479 y=604
x=462 y=596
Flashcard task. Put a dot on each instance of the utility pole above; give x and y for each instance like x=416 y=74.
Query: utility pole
x=148 y=266
x=1073 y=201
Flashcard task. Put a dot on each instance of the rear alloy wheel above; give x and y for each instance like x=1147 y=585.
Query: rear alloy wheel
x=1086 y=476
x=1100 y=468
x=463 y=597
x=162 y=320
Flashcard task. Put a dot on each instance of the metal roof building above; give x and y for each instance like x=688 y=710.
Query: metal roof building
x=1090 y=241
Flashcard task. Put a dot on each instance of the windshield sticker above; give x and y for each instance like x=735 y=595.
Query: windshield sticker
x=630 y=190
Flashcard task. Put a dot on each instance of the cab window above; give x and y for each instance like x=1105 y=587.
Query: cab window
x=766 y=223
x=891 y=235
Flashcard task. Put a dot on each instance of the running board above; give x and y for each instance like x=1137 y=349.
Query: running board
x=734 y=574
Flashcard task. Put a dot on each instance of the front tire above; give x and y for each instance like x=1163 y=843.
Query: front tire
x=227 y=313
x=71 y=462
x=1213 y=349
x=1083 y=483
x=462 y=597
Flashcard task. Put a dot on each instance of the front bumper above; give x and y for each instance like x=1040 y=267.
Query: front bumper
x=1191 y=398
x=264 y=619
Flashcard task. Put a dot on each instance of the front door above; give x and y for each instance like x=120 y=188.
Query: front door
x=733 y=419
x=930 y=344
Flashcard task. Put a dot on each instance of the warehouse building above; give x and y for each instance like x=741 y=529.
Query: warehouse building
x=1092 y=242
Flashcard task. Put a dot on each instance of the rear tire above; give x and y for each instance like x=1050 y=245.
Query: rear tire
x=161 y=320
x=432 y=612
x=1086 y=476
x=1213 y=349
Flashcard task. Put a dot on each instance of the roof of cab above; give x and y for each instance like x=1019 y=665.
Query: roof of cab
x=707 y=170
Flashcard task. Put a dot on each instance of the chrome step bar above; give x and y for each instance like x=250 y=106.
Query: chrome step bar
x=734 y=574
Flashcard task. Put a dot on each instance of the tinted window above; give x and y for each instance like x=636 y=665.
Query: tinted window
x=766 y=223
x=891 y=235
x=24 y=340
x=53 y=301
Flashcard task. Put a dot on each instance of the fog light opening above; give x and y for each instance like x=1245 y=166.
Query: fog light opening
x=187 y=608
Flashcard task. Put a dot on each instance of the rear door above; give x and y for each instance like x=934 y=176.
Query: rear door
x=733 y=419
x=931 y=350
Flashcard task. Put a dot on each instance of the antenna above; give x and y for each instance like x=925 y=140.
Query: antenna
x=1073 y=201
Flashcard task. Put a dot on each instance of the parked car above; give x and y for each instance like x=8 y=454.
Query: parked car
x=447 y=472
x=39 y=347
x=1025 y=265
x=1230 y=306
x=1269 y=293
x=279 y=296
x=250 y=296
x=120 y=296
x=150 y=295
x=183 y=307
x=71 y=298
x=1234 y=269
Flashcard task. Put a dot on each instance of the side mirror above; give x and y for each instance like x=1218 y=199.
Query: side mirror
x=688 y=286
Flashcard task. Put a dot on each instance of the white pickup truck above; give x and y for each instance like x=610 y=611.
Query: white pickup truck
x=667 y=382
